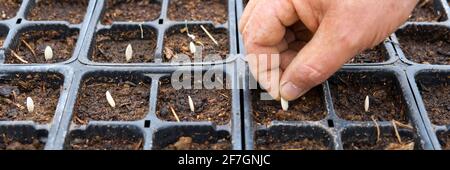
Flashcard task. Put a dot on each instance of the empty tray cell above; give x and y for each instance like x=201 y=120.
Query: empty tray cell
x=377 y=54
x=199 y=10
x=131 y=11
x=111 y=44
x=428 y=11
x=209 y=104
x=30 y=45
x=105 y=138
x=444 y=139
x=177 y=42
x=310 y=107
x=9 y=8
x=350 y=91
x=72 y=11
x=42 y=89
x=366 y=138
x=19 y=137
x=191 y=138
x=435 y=90
x=293 y=138
x=130 y=95
x=426 y=45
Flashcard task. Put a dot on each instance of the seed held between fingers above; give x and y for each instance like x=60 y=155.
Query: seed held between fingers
x=284 y=104
x=30 y=105
x=48 y=53
x=110 y=99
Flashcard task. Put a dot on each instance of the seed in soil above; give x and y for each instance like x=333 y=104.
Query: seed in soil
x=131 y=95
x=426 y=12
x=292 y=138
x=44 y=89
x=310 y=107
x=374 y=55
x=444 y=140
x=210 y=105
x=366 y=139
x=105 y=138
x=199 y=10
x=22 y=138
x=111 y=45
x=131 y=11
x=31 y=46
x=187 y=143
x=178 y=42
x=435 y=91
x=72 y=11
x=426 y=45
x=349 y=91
x=9 y=8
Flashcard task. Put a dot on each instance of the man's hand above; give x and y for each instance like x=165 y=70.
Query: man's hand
x=313 y=38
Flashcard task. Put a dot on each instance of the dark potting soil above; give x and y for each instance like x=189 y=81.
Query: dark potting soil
x=436 y=97
x=444 y=140
x=9 y=8
x=310 y=107
x=269 y=143
x=386 y=142
x=9 y=144
x=72 y=11
x=131 y=11
x=177 y=42
x=32 y=44
x=102 y=143
x=349 y=91
x=43 y=89
x=2 y=38
x=426 y=45
x=210 y=105
x=131 y=96
x=199 y=10
x=425 y=12
x=374 y=55
x=187 y=143
x=111 y=45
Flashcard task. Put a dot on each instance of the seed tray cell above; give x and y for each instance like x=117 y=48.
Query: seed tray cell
x=9 y=9
x=72 y=11
x=429 y=11
x=22 y=137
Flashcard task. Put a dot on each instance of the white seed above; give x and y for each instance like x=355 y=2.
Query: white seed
x=110 y=99
x=129 y=53
x=192 y=47
x=284 y=104
x=191 y=104
x=30 y=105
x=366 y=104
x=48 y=53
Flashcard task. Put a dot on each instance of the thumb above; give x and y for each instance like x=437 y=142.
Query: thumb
x=331 y=47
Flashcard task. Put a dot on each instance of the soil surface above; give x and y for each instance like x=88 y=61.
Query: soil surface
x=425 y=12
x=426 y=45
x=374 y=55
x=32 y=44
x=310 y=107
x=269 y=143
x=59 y=10
x=9 y=8
x=187 y=143
x=199 y=10
x=178 y=42
x=444 y=139
x=435 y=95
x=386 y=142
x=131 y=96
x=101 y=143
x=2 y=39
x=349 y=91
x=131 y=11
x=44 y=89
x=111 y=46
x=9 y=144
x=209 y=105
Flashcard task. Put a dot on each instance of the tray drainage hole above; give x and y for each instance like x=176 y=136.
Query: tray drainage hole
x=161 y=21
x=19 y=21
x=147 y=123
x=330 y=123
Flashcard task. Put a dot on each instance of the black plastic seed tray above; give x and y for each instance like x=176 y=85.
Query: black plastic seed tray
x=156 y=30
x=20 y=24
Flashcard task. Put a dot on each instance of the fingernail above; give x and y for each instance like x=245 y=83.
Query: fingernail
x=290 y=91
